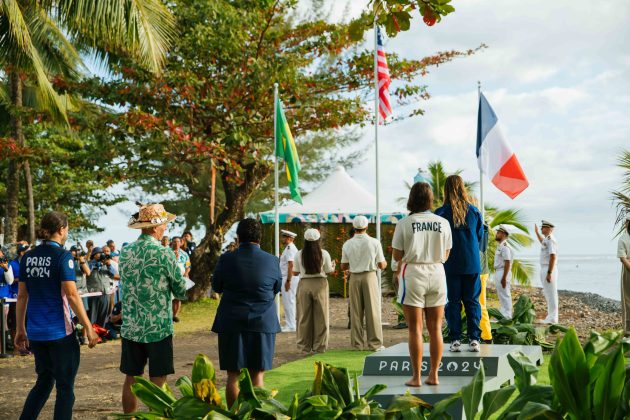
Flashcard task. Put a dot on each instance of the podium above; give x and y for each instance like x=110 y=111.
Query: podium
x=392 y=367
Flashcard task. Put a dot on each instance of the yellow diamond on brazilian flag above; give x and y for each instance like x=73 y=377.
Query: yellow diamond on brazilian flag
x=286 y=150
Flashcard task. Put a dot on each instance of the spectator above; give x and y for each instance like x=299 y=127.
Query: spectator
x=312 y=264
x=150 y=276
x=22 y=249
x=101 y=274
x=246 y=319
x=82 y=271
x=165 y=241
x=7 y=279
x=289 y=281
x=421 y=244
x=114 y=252
x=183 y=262
x=114 y=322
x=362 y=256
x=187 y=243
x=463 y=268
x=47 y=286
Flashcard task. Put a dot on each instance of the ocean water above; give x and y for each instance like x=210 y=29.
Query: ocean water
x=598 y=274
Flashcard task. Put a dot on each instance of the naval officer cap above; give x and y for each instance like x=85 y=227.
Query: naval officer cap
x=504 y=229
x=360 y=222
x=288 y=233
x=544 y=223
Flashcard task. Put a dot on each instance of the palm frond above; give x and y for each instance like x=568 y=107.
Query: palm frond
x=622 y=196
x=522 y=271
x=509 y=217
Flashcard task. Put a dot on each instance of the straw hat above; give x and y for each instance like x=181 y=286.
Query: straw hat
x=150 y=215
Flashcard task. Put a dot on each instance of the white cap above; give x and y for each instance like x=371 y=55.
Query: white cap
x=311 y=234
x=503 y=229
x=288 y=233
x=360 y=222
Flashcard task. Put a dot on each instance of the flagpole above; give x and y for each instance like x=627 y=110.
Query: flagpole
x=276 y=235
x=481 y=204
x=378 y=198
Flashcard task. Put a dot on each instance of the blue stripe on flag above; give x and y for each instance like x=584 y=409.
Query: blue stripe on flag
x=486 y=119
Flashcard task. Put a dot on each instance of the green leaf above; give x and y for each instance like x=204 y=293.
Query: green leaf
x=623 y=408
x=542 y=394
x=190 y=407
x=569 y=375
x=538 y=411
x=203 y=369
x=185 y=386
x=609 y=385
x=471 y=393
x=495 y=400
x=439 y=409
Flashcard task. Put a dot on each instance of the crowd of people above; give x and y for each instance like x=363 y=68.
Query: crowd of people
x=436 y=261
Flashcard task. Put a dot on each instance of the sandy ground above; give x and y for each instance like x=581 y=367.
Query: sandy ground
x=99 y=381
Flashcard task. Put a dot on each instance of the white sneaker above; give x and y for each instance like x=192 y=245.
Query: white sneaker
x=474 y=346
x=456 y=346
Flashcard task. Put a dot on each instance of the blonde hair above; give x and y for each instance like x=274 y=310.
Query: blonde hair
x=455 y=195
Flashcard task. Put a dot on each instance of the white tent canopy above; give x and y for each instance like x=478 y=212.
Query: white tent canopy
x=337 y=200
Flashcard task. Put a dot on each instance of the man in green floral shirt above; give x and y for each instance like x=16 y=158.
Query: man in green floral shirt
x=149 y=275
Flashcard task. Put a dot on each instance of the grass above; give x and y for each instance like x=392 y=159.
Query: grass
x=297 y=377
x=196 y=316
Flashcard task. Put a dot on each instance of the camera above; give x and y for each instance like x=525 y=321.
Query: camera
x=105 y=257
x=3 y=260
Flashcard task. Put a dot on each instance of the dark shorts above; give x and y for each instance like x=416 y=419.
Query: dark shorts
x=252 y=350
x=134 y=356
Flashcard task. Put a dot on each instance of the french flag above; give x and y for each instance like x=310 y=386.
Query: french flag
x=494 y=154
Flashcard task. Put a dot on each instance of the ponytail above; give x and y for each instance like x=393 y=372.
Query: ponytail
x=50 y=224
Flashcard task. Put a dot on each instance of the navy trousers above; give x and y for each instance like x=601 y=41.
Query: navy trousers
x=56 y=364
x=463 y=288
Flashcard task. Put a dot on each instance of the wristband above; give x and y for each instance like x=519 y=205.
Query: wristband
x=549 y=272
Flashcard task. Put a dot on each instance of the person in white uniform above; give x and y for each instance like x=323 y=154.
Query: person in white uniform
x=289 y=282
x=549 y=270
x=362 y=256
x=421 y=244
x=502 y=271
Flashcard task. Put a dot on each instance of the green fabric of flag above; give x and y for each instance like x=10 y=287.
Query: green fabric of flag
x=286 y=150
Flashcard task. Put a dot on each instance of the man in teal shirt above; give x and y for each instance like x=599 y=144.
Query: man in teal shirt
x=149 y=273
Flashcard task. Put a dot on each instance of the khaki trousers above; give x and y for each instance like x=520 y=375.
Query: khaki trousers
x=365 y=301
x=625 y=298
x=312 y=314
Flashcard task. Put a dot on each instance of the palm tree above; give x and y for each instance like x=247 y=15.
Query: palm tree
x=622 y=197
x=43 y=39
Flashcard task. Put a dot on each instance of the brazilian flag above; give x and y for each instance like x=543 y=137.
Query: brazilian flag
x=286 y=150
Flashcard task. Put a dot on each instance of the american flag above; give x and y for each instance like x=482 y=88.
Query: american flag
x=384 y=105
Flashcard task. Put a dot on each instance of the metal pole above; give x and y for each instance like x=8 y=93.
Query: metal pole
x=378 y=198
x=276 y=235
x=481 y=205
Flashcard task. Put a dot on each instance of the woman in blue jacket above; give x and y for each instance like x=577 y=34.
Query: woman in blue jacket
x=463 y=267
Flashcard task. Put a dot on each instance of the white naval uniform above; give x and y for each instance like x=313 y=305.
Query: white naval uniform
x=550 y=289
x=503 y=253
x=289 y=297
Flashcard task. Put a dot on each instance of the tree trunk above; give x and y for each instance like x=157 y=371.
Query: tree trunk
x=13 y=176
x=30 y=202
x=207 y=253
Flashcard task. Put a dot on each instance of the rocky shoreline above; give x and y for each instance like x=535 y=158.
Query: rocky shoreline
x=584 y=311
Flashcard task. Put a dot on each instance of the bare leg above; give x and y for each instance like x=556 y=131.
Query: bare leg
x=158 y=380
x=129 y=401
x=413 y=316
x=177 y=304
x=231 y=388
x=434 y=326
x=257 y=377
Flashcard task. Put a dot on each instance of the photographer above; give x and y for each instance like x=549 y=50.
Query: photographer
x=14 y=265
x=99 y=280
x=82 y=271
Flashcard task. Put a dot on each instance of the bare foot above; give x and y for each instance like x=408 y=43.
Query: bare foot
x=432 y=381
x=416 y=383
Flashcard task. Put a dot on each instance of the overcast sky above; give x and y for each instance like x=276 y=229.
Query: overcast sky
x=556 y=74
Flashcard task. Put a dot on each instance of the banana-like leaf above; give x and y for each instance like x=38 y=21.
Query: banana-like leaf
x=535 y=393
x=570 y=373
x=623 y=409
x=472 y=393
x=493 y=401
x=538 y=411
x=185 y=386
x=190 y=408
x=609 y=385
x=525 y=371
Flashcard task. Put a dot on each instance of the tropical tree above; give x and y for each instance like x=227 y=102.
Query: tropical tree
x=41 y=41
x=622 y=196
x=211 y=111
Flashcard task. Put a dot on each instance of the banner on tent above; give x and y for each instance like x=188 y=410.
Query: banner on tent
x=268 y=217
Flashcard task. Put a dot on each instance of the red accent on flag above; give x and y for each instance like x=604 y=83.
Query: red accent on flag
x=384 y=105
x=511 y=178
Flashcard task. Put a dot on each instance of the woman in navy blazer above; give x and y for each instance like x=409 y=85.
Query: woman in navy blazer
x=246 y=320
x=463 y=266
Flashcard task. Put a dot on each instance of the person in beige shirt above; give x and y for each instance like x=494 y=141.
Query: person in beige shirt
x=312 y=264
x=623 y=253
x=362 y=256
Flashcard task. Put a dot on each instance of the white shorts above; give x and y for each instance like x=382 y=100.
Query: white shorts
x=422 y=285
